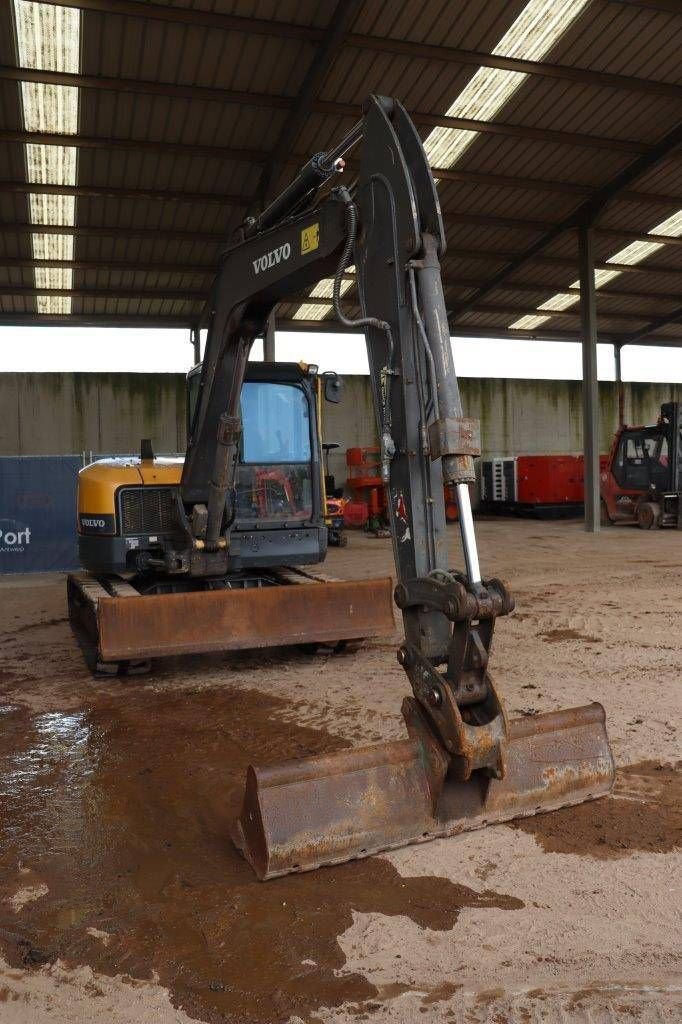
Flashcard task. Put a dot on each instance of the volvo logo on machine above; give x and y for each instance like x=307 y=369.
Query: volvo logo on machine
x=14 y=537
x=272 y=258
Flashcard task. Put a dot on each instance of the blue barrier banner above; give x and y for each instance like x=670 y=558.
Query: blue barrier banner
x=38 y=513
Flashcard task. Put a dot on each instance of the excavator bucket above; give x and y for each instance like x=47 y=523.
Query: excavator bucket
x=352 y=804
x=127 y=626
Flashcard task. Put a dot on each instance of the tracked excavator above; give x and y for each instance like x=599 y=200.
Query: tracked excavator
x=154 y=584
x=463 y=763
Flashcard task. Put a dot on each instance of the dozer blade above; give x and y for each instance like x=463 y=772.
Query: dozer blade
x=153 y=626
x=354 y=803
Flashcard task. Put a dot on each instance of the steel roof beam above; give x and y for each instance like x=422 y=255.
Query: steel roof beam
x=480 y=220
x=115 y=192
x=209 y=270
x=113 y=231
x=413 y=50
x=493 y=333
x=283 y=150
x=664 y=6
x=162 y=294
x=138 y=145
x=91 y=320
x=113 y=292
x=468 y=177
x=540 y=226
x=317 y=326
x=654 y=325
x=127 y=266
x=491 y=256
x=617 y=187
x=332 y=40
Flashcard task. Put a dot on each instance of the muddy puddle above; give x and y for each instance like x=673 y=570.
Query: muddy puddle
x=121 y=809
x=644 y=812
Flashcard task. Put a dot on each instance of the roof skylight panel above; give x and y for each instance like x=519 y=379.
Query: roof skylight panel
x=528 y=323
x=47 y=246
x=631 y=254
x=323 y=290
x=48 y=38
x=48 y=209
x=537 y=28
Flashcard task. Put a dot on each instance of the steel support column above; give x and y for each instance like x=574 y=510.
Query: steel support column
x=269 y=340
x=590 y=388
x=196 y=344
x=619 y=384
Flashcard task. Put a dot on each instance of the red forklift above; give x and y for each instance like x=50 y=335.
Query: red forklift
x=642 y=480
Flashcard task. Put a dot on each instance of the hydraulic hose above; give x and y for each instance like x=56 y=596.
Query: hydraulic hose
x=387 y=372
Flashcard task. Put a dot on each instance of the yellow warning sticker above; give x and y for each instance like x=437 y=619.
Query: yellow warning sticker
x=310 y=239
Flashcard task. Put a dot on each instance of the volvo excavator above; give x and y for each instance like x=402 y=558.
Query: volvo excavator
x=154 y=585
x=463 y=763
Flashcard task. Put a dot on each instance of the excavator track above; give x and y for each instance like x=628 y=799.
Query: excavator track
x=127 y=628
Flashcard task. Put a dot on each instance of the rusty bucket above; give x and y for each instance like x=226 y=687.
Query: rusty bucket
x=357 y=802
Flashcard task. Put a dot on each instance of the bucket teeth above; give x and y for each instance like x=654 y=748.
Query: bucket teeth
x=354 y=803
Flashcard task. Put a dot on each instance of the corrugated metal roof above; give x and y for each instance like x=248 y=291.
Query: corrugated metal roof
x=142 y=250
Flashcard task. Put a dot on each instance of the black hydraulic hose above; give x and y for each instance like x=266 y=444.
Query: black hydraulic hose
x=351 y=213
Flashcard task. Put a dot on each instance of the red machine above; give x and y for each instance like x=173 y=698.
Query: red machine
x=367 y=507
x=544 y=485
x=641 y=481
x=368 y=504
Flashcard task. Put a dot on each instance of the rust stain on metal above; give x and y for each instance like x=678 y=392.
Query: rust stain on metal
x=354 y=803
x=228 y=620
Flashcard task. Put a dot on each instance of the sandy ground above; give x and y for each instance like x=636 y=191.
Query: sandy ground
x=121 y=898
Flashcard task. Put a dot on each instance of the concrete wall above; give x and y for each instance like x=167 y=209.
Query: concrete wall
x=68 y=413
x=60 y=413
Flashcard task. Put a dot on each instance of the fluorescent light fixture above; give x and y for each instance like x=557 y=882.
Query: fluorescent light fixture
x=631 y=254
x=48 y=38
x=538 y=27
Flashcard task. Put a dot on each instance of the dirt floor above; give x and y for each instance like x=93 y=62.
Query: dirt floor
x=123 y=901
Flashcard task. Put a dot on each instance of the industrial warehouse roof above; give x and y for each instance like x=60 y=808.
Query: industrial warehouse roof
x=135 y=136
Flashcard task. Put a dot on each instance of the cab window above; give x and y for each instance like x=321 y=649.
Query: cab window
x=275 y=423
x=274 y=478
x=642 y=460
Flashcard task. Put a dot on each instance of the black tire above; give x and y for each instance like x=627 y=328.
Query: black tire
x=604 y=517
x=648 y=515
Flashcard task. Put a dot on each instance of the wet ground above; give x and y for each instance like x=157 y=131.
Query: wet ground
x=116 y=797
x=120 y=811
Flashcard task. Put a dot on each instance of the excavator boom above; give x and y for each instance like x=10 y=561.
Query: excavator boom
x=463 y=764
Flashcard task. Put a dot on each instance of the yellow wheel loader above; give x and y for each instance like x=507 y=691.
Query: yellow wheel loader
x=151 y=586
x=463 y=763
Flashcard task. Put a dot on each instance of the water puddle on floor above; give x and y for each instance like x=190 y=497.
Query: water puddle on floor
x=121 y=810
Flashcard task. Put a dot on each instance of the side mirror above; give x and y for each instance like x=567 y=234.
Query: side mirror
x=333 y=387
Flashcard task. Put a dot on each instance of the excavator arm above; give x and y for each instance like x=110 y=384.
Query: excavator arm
x=464 y=763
